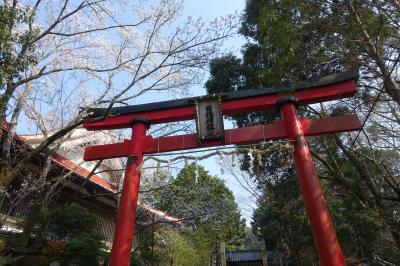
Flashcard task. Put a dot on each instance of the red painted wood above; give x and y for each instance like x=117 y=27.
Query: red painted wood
x=233 y=136
x=108 y=151
x=230 y=107
x=325 y=239
x=124 y=229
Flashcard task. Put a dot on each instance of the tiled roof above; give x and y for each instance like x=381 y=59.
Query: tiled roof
x=161 y=214
x=95 y=179
x=83 y=172
x=68 y=164
x=243 y=255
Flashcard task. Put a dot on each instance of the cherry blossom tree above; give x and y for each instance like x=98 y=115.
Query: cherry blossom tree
x=60 y=58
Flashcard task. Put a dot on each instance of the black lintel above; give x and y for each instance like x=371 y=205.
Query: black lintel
x=322 y=81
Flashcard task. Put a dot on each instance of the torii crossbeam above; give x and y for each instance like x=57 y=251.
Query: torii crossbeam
x=140 y=117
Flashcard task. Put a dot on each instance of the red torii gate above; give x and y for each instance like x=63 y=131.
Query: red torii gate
x=140 y=117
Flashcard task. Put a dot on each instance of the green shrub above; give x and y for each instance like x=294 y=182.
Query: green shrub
x=78 y=227
x=86 y=249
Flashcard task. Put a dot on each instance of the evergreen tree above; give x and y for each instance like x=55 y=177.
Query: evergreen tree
x=290 y=41
x=206 y=206
x=77 y=226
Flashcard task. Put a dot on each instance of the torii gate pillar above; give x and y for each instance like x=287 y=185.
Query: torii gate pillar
x=329 y=251
x=124 y=229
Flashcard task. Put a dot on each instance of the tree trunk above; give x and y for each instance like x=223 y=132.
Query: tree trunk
x=40 y=232
x=9 y=136
x=396 y=238
x=29 y=226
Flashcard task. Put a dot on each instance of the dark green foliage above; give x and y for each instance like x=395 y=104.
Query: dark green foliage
x=207 y=205
x=250 y=241
x=288 y=44
x=77 y=226
x=359 y=218
x=292 y=40
x=72 y=221
x=227 y=73
x=281 y=221
x=85 y=249
x=358 y=232
x=209 y=215
x=143 y=254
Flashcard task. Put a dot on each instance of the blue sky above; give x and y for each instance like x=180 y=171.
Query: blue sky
x=209 y=9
